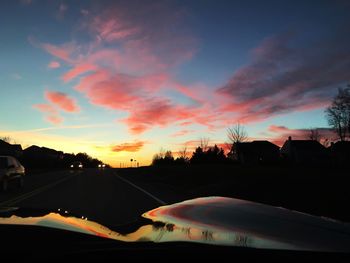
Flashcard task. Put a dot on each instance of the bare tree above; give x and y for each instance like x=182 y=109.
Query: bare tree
x=204 y=143
x=6 y=139
x=338 y=113
x=236 y=134
x=314 y=135
x=183 y=153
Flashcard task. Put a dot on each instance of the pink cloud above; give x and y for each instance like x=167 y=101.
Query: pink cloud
x=155 y=112
x=54 y=119
x=84 y=12
x=50 y=112
x=112 y=28
x=62 y=9
x=78 y=70
x=62 y=52
x=54 y=64
x=128 y=147
x=181 y=133
x=62 y=101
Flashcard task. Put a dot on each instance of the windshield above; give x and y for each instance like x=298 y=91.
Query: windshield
x=113 y=110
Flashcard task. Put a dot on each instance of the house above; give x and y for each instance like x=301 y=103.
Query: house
x=304 y=152
x=43 y=152
x=340 y=153
x=14 y=150
x=256 y=152
x=35 y=156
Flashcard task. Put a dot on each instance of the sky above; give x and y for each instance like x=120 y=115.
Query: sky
x=125 y=79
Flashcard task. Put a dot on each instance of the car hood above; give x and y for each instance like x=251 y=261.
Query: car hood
x=210 y=220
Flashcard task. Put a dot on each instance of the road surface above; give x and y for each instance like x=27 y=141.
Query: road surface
x=100 y=195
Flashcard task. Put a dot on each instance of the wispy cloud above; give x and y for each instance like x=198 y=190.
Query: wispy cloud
x=282 y=77
x=16 y=76
x=62 y=9
x=63 y=52
x=64 y=127
x=57 y=101
x=181 y=133
x=54 y=64
x=84 y=12
x=50 y=112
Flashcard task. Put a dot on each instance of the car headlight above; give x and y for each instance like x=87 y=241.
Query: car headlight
x=72 y=166
x=99 y=165
x=80 y=165
x=103 y=165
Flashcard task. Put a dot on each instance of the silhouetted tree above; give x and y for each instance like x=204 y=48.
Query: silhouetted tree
x=215 y=155
x=314 y=135
x=236 y=134
x=204 y=143
x=183 y=153
x=338 y=113
x=183 y=157
x=211 y=156
x=197 y=156
x=168 y=157
x=163 y=158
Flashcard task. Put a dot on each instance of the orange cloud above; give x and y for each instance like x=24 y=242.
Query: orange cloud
x=128 y=147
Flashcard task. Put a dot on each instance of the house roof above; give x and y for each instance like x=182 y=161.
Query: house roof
x=41 y=150
x=341 y=146
x=6 y=145
x=257 y=146
x=309 y=145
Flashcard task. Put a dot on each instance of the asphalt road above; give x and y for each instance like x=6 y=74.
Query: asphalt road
x=99 y=195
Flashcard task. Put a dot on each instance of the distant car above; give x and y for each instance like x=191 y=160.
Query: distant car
x=11 y=170
x=76 y=165
x=101 y=166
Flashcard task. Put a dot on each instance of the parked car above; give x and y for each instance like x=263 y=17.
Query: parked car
x=11 y=170
x=76 y=165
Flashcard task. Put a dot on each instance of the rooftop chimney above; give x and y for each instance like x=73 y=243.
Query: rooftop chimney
x=289 y=138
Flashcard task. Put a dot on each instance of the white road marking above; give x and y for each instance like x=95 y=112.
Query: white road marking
x=32 y=193
x=142 y=190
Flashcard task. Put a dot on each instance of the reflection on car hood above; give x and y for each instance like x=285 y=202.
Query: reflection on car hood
x=218 y=221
